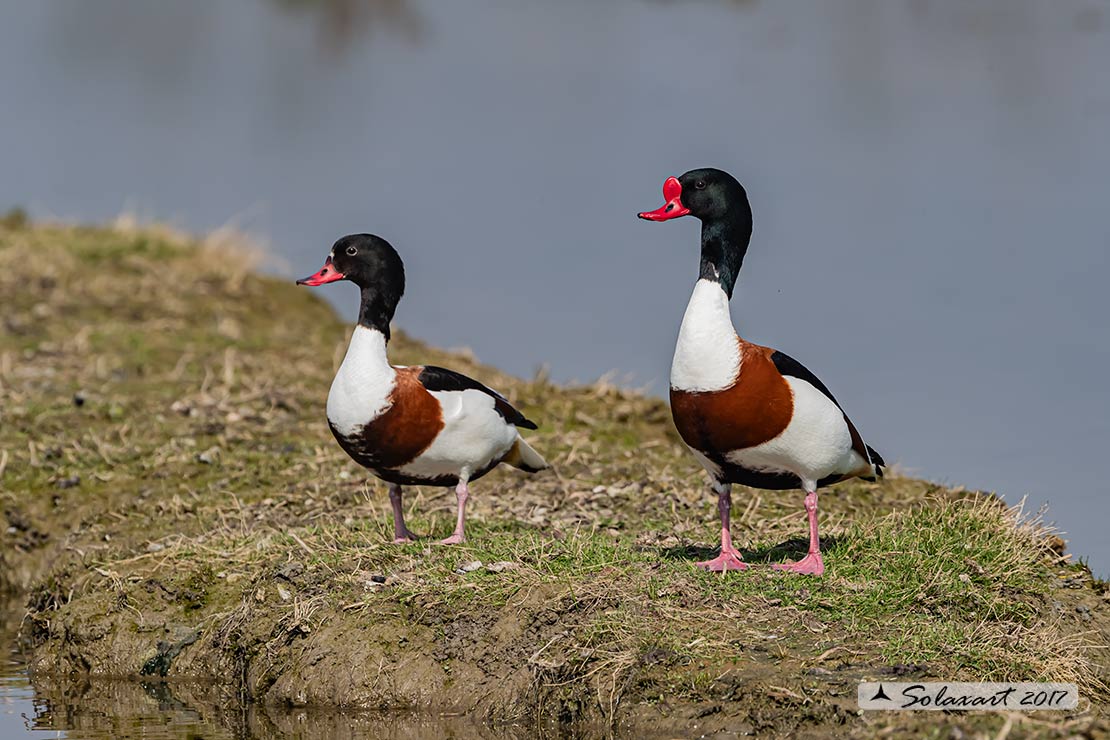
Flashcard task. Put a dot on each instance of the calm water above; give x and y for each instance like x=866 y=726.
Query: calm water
x=116 y=710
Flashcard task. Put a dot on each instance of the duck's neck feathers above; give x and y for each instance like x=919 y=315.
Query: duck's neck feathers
x=707 y=355
x=376 y=311
x=724 y=242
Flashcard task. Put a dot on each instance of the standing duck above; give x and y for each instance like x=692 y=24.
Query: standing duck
x=420 y=425
x=751 y=415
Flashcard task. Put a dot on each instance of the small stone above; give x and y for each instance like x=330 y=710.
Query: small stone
x=289 y=571
x=377 y=578
x=965 y=578
x=470 y=567
x=79 y=399
x=155 y=547
x=283 y=594
x=344 y=475
x=501 y=565
x=70 y=482
x=209 y=456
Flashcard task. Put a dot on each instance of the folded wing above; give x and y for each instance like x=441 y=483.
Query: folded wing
x=441 y=379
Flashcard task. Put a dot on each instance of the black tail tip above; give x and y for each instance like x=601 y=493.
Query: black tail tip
x=527 y=424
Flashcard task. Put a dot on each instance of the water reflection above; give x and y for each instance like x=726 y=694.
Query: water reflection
x=100 y=710
x=83 y=709
x=342 y=22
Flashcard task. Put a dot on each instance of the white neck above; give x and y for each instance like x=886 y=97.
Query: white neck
x=707 y=355
x=360 y=390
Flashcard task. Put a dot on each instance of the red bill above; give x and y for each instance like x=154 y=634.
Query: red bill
x=673 y=208
x=327 y=274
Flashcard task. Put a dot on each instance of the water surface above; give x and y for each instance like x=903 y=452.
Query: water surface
x=100 y=709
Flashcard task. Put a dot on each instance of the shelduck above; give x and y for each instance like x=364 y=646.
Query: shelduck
x=421 y=425
x=750 y=415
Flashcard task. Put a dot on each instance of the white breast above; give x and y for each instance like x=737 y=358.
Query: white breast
x=707 y=355
x=361 y=388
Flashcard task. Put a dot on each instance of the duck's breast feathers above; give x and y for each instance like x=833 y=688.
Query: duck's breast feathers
x=754 y=410
x=440 y=379
x=411 y=421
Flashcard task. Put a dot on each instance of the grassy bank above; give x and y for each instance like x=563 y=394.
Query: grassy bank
x=175 y=506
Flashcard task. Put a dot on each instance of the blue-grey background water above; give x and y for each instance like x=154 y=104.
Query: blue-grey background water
x=929 y=181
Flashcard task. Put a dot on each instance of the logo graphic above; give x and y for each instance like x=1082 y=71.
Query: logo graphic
x=880 y=694
x=953 y=696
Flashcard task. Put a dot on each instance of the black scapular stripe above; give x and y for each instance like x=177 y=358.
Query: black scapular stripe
x=441 y=379
x=787 y=365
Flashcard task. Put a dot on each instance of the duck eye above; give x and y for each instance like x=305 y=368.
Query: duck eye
x=352 y=251
x=699 y=185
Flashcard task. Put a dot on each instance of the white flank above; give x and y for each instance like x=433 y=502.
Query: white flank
x=815 y=444
x=707 y=355
x=473 y=436
x=361 y=388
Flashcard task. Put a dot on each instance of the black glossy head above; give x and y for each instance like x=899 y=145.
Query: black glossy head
x=713 y=194
x=373 y=265
x=721 y=203
x=369 y=261
x=707 y=194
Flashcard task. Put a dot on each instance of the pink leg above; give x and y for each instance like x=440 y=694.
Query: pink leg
x=811 y=564
x=401 y=533
x=461 y=494
x=729 y=559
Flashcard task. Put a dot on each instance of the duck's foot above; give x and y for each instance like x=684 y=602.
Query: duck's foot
x=727 y=560
x=455 y=539
x=404 y=539
x=810 y=565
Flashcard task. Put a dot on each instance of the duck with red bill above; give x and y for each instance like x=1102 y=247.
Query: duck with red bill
x=327 y=274
x=673 y=208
